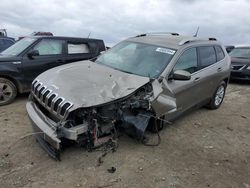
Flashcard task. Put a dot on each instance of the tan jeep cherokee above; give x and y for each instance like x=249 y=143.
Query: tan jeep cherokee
x=138 y=84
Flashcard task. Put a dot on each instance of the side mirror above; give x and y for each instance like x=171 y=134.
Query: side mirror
x=181 y=75
x=33 y=53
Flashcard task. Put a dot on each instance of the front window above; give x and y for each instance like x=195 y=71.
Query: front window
x=49 y=47
x=240 y=53
x=187 y=61
x=18 y=47
x=137 y=58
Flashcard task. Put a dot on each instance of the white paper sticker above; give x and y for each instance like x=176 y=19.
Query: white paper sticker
x=165 y=50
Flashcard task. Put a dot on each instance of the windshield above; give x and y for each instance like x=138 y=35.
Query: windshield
x=240 y=53
x=137 y=58
x=18 y=47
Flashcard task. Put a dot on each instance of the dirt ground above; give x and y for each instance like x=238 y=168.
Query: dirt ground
x=205 y=148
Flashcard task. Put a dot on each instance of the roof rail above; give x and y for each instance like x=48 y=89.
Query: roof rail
x=185 y=41
x=157 y=33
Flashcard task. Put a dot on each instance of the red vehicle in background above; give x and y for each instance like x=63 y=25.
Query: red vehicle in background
x=38 y=33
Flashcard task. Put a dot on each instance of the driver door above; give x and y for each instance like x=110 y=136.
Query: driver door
x=51 y=54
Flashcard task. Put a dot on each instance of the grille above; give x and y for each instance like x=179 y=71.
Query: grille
x=50 y=100
x=238 y=67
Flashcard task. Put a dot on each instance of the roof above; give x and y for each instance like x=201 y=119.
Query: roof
x=170 y=40
x=61 y=37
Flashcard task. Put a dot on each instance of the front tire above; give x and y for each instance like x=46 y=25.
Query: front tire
x=8 y=91
x=218 y=96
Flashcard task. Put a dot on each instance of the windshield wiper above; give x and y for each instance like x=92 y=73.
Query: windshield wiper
x=125 y=71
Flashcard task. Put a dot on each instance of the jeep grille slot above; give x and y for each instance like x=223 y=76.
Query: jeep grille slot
x=40 y=92
x=64 y=108
x=36 y=88
x=45 y=95
x=33 y=85
x=58 y=101
x=49 y=100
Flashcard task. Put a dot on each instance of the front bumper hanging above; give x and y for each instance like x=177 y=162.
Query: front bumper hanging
x=43 y=131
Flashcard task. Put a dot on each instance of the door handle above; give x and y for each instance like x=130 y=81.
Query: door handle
x=196 y=79
x=219 y=69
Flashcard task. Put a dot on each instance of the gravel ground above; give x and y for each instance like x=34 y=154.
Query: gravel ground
x=205 y=148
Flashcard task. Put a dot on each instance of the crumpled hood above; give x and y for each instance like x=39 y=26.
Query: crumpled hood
x=86 y=84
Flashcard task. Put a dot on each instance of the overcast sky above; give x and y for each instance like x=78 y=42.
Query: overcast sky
x=113 y=20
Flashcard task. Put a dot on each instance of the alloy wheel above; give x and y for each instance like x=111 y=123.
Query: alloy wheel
x=6 y=92
x=219 y=95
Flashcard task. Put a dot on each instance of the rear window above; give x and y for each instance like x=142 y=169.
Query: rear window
x=78 y=48
x=219 y=52
x=207 y=56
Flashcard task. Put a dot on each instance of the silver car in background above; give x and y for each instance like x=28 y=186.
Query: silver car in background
x=136 y=85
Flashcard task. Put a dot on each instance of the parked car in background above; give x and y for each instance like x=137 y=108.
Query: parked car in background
x=240 y=59
x=6 y=42
x=31 y=56
x=137 y=84
x=229 y=48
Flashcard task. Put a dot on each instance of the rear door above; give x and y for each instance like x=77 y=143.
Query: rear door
x=211 y=67
x=80 y=49
x=51 y=54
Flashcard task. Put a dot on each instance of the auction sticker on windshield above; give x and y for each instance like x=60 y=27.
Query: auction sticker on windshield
x=165 y=50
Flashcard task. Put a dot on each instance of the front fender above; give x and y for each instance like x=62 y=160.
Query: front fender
x=13 y=73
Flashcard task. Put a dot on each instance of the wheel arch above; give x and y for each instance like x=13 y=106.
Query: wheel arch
x=226 y=80
x=14 y=81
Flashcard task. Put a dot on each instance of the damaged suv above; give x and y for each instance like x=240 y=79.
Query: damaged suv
x=138 y=84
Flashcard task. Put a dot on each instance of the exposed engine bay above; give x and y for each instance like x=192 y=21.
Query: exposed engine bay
x=131 y=115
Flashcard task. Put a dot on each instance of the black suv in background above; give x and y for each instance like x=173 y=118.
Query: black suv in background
x=31 y=56
x=240 y=67
x=6 y=42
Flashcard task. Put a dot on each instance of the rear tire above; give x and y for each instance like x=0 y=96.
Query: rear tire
x=8 y=91
x=218 y=96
